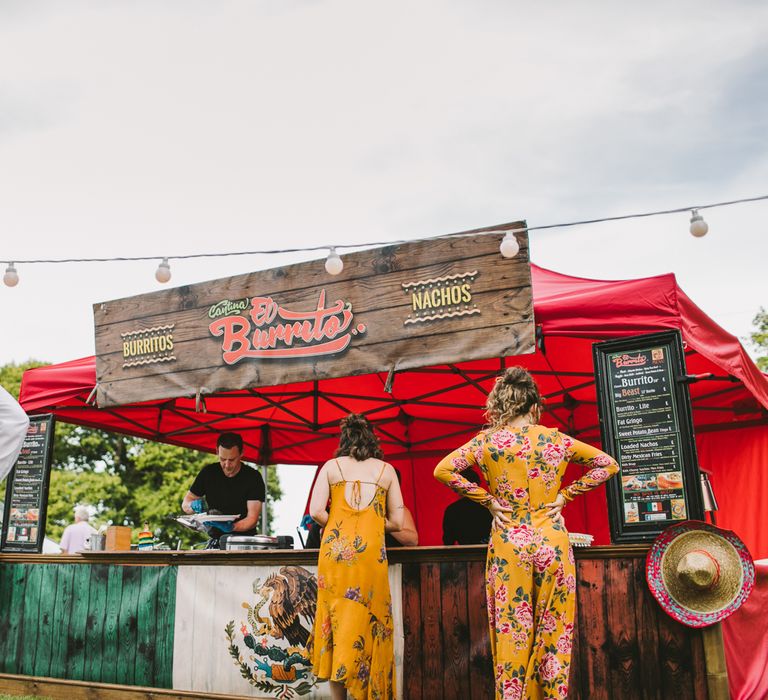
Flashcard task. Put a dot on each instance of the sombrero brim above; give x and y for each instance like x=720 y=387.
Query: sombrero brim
x=654 y=572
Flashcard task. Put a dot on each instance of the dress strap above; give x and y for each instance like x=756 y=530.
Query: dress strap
x=383 y=464
x=340 y=472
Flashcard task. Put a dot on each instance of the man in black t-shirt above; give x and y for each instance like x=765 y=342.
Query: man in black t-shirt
x=465 y=521
x=229 y=487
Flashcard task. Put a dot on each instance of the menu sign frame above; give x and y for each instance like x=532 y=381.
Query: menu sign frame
x=646 y=423
x=26 y=493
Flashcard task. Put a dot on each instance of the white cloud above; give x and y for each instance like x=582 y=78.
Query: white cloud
x=178 y=127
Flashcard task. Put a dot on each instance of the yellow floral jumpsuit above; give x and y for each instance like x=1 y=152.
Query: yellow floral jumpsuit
x=530 y=570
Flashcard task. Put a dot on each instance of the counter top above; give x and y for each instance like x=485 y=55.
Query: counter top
x=214 y=557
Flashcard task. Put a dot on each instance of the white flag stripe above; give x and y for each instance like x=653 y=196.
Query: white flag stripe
x=208 y=598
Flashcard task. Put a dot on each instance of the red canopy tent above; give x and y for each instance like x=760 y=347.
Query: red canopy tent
x=422 y=414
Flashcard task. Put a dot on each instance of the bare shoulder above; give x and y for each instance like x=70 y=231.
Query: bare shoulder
x=330 y=472
x=389 y=476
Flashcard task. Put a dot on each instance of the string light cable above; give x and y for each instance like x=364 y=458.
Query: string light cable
x=509 y=246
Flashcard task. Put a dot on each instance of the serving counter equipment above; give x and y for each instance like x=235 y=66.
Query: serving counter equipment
x=108 y=618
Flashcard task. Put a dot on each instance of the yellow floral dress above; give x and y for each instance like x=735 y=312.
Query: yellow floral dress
x=352 y=640
x=530 y=569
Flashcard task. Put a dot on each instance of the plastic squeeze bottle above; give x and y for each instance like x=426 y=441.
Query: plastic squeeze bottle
x=146 y=539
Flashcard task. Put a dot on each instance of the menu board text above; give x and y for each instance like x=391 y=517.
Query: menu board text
x=26 y=496
x=645 y=419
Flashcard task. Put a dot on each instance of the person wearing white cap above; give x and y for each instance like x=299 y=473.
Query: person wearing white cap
x=75 y=535
x=13 y=429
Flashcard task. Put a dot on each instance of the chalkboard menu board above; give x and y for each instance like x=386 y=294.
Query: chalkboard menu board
x=26 y=495
x=646 y=423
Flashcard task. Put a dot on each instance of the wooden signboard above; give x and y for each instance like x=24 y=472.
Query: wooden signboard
x=398 y=307
x=26 y=494
x=646 y=423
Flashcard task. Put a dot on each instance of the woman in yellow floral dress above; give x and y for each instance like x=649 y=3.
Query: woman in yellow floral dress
x=352 y=642
x=530 y=570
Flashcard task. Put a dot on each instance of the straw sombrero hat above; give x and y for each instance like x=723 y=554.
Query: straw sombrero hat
x=699 y=573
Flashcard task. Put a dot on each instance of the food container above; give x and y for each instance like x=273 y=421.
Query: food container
x=118 y=538
x=242 y=543
x=96 y=542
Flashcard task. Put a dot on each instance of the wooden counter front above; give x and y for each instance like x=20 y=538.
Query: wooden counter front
x=625 y=646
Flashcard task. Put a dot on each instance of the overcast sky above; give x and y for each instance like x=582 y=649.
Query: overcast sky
x=162 y=128
x=168 y=128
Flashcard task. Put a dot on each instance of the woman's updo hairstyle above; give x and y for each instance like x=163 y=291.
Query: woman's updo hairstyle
x=358 y=439
x=514 y=394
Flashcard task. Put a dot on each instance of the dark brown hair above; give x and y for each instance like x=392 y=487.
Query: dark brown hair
x=230 y=440
x=358 y=439
x=514 y=394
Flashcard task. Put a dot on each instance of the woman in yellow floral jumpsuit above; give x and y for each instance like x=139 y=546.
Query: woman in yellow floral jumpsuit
x=352 y=642
x=530 y=570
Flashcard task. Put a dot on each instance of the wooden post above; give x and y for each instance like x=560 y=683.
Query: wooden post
x=714 y=660
x=264 y=523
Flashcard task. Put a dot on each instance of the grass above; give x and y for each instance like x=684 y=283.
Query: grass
x=21 y=697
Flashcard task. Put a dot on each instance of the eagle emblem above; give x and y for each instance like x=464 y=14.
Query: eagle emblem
x=275 y=658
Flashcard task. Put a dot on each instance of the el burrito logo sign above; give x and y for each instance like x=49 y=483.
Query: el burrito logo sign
x=626 y=360
x=402 y=306
x=271 y=331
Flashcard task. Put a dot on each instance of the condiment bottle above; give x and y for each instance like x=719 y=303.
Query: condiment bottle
x=146 y=539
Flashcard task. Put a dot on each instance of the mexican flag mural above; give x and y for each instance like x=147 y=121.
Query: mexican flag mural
x=234 y=630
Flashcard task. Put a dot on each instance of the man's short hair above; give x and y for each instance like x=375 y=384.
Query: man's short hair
x=230 y=440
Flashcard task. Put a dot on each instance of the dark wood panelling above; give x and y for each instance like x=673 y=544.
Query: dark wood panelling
x=480 y=662
x=646 y=613
x=621 y=629
x=30 y=635
x=624 y=646
x=455 y=629
x=431 y=632
x=91 y=622
x=591 y=627
x=14 y=651
x=78 y=624
x=94 y=629
x=413 y=648
x=618 y=652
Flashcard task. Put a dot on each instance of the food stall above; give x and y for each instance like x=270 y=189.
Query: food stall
x=412 y=338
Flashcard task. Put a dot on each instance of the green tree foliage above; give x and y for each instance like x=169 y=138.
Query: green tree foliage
x=127 y=480
x=10 y=375
x=759 y=338
x=163 y=474
x=70 y=487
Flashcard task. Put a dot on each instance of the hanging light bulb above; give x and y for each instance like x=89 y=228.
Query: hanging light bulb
x=509 y=246
x=163 y=272
x=333 y=263
x=699 y=227
x=11 y=277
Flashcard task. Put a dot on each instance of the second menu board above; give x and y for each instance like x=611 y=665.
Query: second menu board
x=645 y=418
x=26 y=498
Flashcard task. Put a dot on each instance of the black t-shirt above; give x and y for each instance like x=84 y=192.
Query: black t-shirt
x=229 y=495
x=466 y=522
